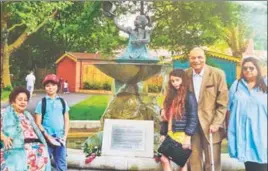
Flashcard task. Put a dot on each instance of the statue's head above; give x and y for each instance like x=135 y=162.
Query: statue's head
x=108 y=9
x=141 y=20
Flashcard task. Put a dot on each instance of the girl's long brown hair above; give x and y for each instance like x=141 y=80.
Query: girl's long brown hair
x=259 y=80
x=178 y=96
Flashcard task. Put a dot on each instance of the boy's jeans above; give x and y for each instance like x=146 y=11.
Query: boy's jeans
x=59 y=155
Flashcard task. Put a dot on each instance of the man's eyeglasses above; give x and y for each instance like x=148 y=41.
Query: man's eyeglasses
x=248 y=68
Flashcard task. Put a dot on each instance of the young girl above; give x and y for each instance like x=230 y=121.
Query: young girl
x=179 y=115
x=65 y=87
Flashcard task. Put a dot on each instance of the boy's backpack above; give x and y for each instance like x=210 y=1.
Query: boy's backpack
x=44 y=105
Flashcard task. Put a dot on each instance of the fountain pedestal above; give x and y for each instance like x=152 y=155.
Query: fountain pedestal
x=129 y=101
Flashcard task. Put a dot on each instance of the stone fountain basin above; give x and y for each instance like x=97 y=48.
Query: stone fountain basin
x=130 y=73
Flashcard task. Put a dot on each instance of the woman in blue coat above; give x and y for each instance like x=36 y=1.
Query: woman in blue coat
x=247 y=128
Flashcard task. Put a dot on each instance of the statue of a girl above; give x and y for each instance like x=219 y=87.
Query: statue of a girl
x=139 y=37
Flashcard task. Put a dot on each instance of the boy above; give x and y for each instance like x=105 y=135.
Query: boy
x=52 y=117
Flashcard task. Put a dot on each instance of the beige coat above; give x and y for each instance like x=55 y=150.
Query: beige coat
x=213 y=100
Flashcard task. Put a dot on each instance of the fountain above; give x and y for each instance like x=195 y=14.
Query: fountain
x=130 y=101
x=129 y=70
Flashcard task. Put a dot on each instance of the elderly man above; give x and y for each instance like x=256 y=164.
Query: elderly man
x=210 y=89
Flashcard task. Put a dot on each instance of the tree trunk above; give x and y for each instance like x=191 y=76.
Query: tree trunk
x=237 y=54
x=5 y=74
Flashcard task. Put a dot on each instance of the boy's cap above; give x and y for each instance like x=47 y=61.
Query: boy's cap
x=51 y=77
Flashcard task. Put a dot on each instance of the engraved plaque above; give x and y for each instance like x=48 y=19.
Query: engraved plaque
x=133 y=138
x=127 y=138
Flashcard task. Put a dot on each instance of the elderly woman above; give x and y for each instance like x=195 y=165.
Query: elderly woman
x=247 y=129
x=24 y=147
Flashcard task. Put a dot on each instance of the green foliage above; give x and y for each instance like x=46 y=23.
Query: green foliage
x=90 y=109
x=79 y=27
x=254 y=13
x=154 y=88
x=31 y=13
x=8 y=88
x=5 y=94
x=107 y=86
x=260 y=42
x=160 y=100
x=23 y=19
x=86 y=85
x=96 y=86
x=93 y=144
x=88 y=149
x=180 y=25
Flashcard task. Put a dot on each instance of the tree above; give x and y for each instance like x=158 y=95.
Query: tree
x=79 y=27
x=82 y=27
x=237 y=38
x=249 y=22
x=181 y=25
x=20 y=20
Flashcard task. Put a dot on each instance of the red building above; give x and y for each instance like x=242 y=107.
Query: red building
x=70 y=65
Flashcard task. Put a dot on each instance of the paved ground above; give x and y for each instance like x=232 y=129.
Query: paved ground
x=71 y=99
x=53 y=169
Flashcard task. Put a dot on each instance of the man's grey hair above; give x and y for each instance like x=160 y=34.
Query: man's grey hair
x=198 y=49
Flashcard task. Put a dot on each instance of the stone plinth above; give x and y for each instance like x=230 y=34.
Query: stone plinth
x=76 y=161
x=80 y=124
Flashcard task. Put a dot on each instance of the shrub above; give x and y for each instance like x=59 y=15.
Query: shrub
x=8 y=88
x=106 y=86
x=154 y=88
x=96 y=86
x=86 y=85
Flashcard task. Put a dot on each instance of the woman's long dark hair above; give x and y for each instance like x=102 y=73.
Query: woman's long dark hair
x=178 y=96
x=259 y=80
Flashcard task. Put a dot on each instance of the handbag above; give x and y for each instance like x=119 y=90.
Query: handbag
x=174 y=151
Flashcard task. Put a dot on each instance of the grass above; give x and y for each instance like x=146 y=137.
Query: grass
x=90 y=109
x=4 y=95
x=93 y=107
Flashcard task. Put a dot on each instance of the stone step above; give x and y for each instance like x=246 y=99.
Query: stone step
x=84 y=124
x=76 y=161
x=79 y=134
